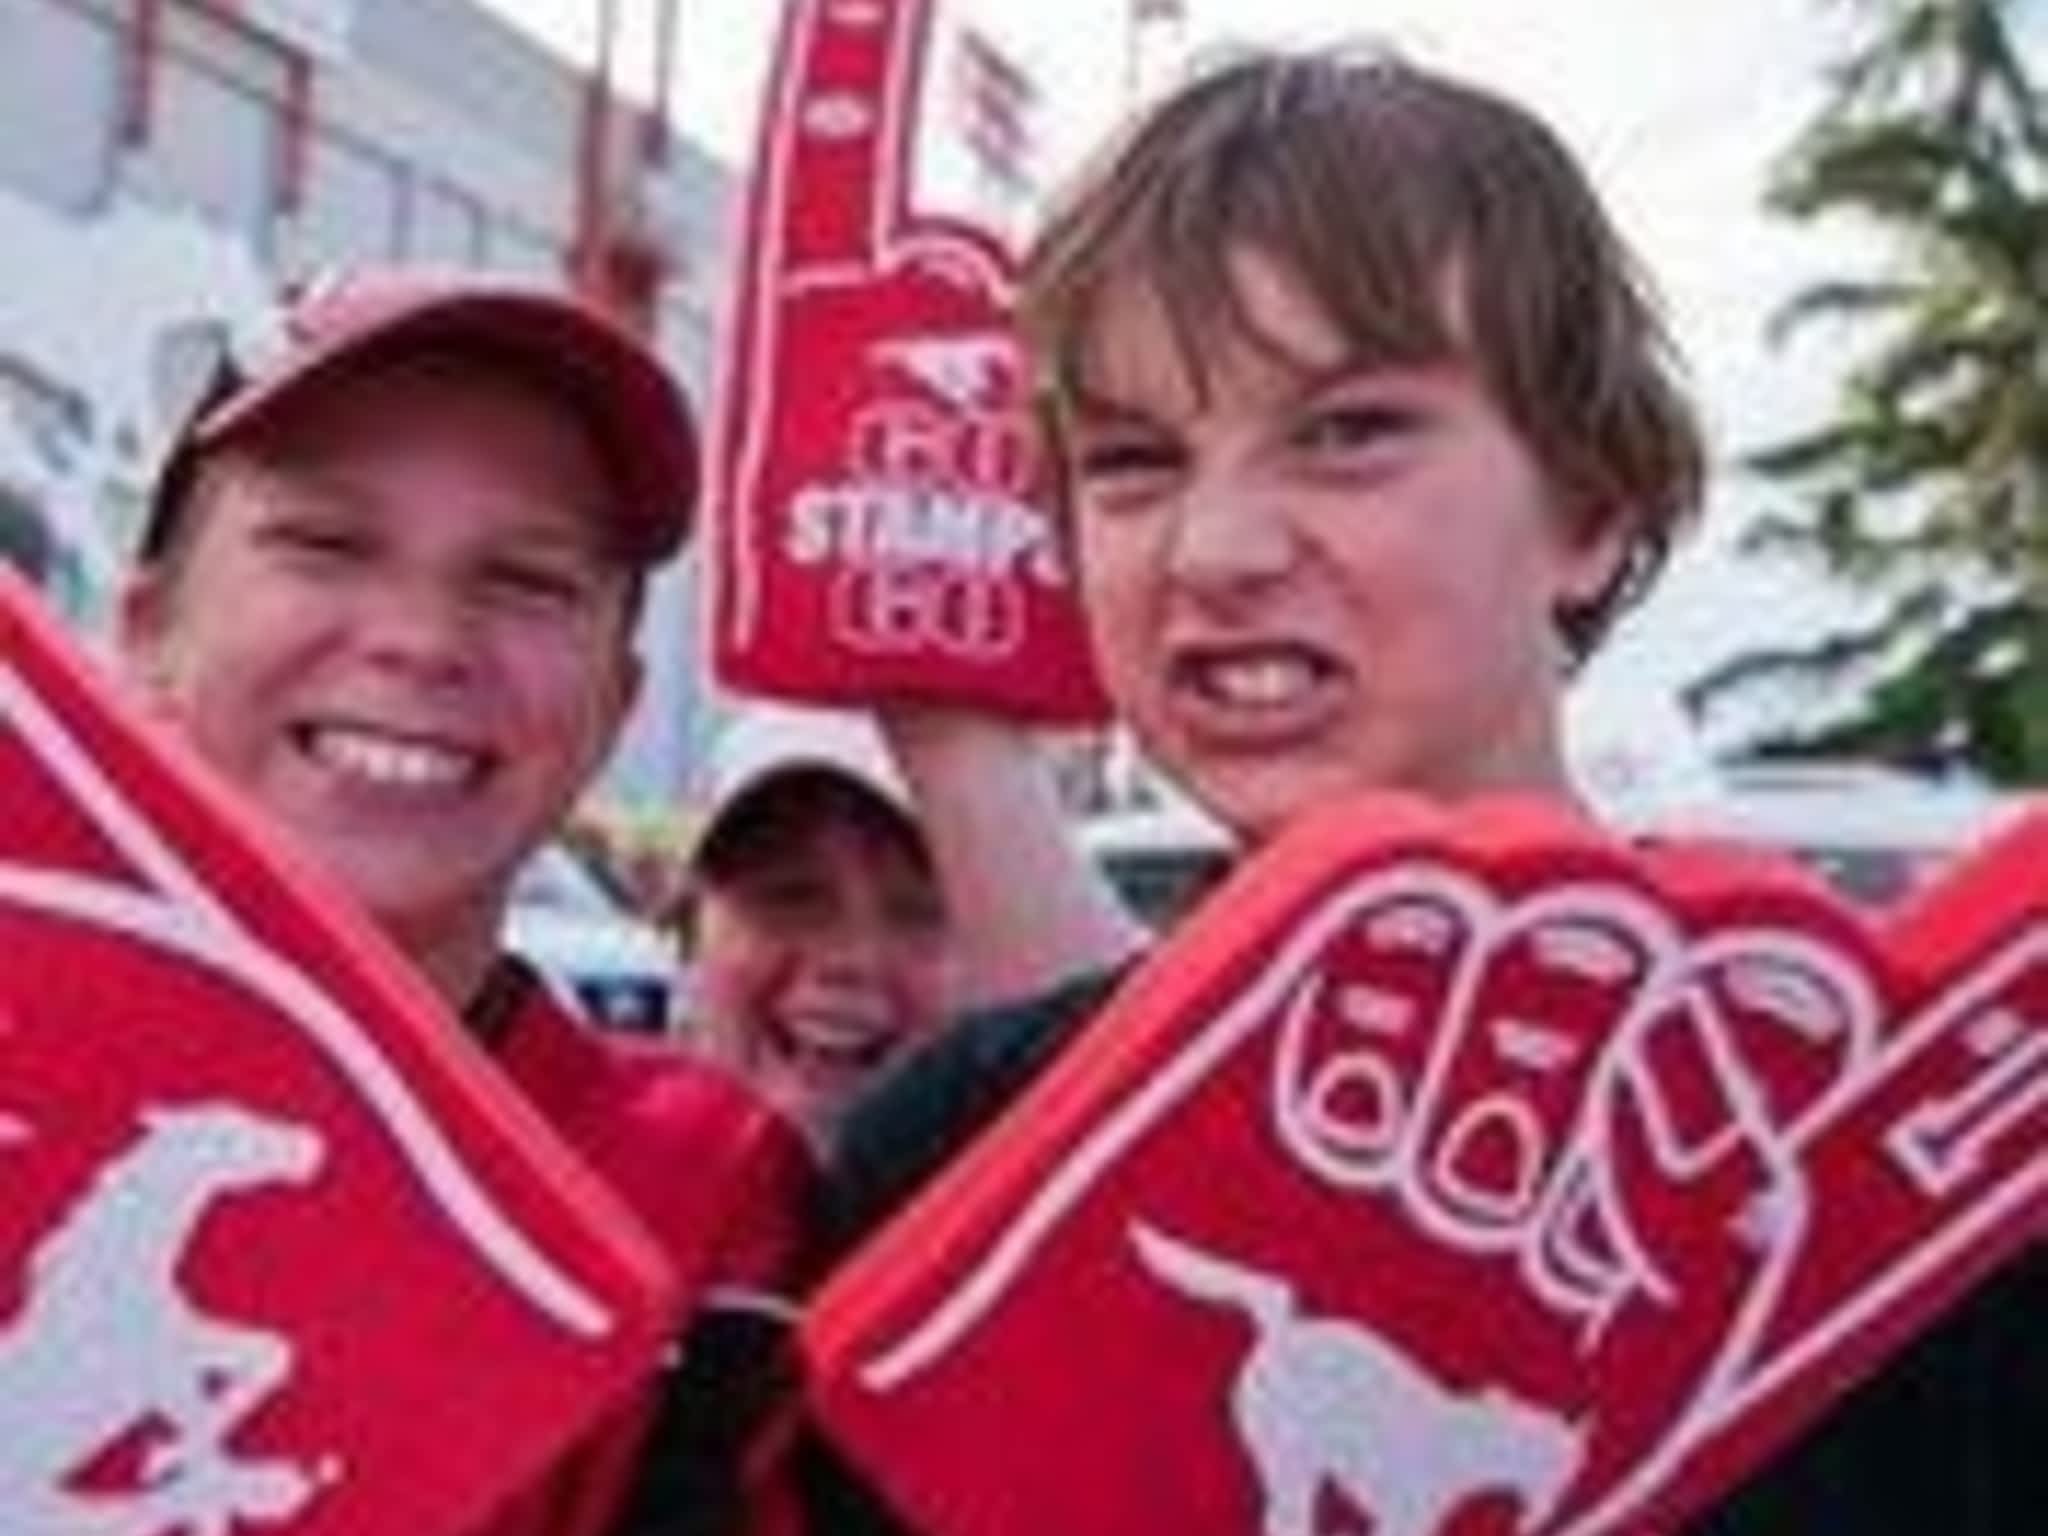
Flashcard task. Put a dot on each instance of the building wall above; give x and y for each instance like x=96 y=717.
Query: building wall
x=437 y=133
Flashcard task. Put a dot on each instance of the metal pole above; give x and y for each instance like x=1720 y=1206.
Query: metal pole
x=655 y=140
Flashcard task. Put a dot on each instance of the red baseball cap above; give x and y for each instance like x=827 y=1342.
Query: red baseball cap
x=635 y=410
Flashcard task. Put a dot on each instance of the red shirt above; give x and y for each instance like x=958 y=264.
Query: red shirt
x=723 y=1182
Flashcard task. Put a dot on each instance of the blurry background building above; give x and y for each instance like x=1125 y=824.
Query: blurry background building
x=172 y=163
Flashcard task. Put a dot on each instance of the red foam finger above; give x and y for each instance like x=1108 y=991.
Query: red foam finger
x=876 y=526
x=1476 y=1174
x=271 y=1227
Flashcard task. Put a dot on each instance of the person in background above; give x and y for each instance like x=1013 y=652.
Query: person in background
x=1367 y=429
x=388 y=587
x=817 y=945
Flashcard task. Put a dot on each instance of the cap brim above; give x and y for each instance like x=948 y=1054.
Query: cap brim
x=769 y=744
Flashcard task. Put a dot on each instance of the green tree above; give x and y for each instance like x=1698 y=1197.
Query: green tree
x=1927 y=489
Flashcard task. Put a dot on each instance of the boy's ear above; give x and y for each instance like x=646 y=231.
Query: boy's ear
x=142 y=626
x=632 y=678
x=625 y=684
x=1598 y=554
x=680 y=917
x=1596 y=562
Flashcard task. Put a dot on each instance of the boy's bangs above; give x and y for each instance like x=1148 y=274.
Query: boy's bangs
x=1430 y=221
x=1349 y=224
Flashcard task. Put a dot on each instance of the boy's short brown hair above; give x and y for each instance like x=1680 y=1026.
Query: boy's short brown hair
x=1430 y=220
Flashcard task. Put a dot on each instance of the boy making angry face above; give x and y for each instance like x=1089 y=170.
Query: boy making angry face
x=1366 y=429
x=1363 y=429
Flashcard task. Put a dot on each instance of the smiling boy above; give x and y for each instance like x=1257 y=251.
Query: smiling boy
x=388 y=589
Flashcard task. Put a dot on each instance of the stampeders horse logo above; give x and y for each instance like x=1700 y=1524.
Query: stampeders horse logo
x=1468 y=1176
x=878 y=526
x=106 y=1285
x=1399 y=1445
x=266 y=1229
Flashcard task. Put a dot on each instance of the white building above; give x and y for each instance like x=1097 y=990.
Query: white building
x=167 y=162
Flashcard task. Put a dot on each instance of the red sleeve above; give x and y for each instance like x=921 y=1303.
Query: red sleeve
x=772 y=1193
x=728 y=1185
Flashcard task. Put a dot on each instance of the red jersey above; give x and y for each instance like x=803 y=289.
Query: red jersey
x=724 y=1183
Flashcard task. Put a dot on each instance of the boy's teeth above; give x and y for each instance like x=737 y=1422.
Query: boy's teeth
x=1263 y=680
x=834 y=1037
x=839 y=1033
x=383 y=761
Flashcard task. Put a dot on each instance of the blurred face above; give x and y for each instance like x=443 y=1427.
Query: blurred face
x=391 y=623
x=1321 y=574
x=818 y=961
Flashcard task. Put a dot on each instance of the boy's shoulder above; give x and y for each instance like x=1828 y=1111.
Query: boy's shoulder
x=901 y=1134
x=1945 y=1437
x=710 y=1167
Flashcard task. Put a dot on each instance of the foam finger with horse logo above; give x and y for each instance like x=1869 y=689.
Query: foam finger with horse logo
x=277 y=1253
x=877 y=527
x=1468 y=1175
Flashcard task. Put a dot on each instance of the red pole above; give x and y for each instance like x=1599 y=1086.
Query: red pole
x=145 y=43
x=586 y=255
x=610 y=262
x=298 y=130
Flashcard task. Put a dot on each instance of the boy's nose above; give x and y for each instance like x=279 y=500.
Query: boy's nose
x=854 y=947
x=1227 y=535
x=420 y=628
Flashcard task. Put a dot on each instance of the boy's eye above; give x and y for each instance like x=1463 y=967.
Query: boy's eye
x=1124 y=456
x=316 y=537
x=1347 y=427
x=1125 y=465
x=796 y=899
x=539 y=581
x=917 y=911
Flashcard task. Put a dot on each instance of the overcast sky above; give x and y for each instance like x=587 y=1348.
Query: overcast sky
x=1677 y=109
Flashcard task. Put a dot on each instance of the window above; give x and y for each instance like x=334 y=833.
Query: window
x=351 y=212
x=445 y=225
x=60 y=81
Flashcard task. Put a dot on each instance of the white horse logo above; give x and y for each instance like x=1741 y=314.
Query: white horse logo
x=967 y=372
x=1325 y=1401
x=107 y=1345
